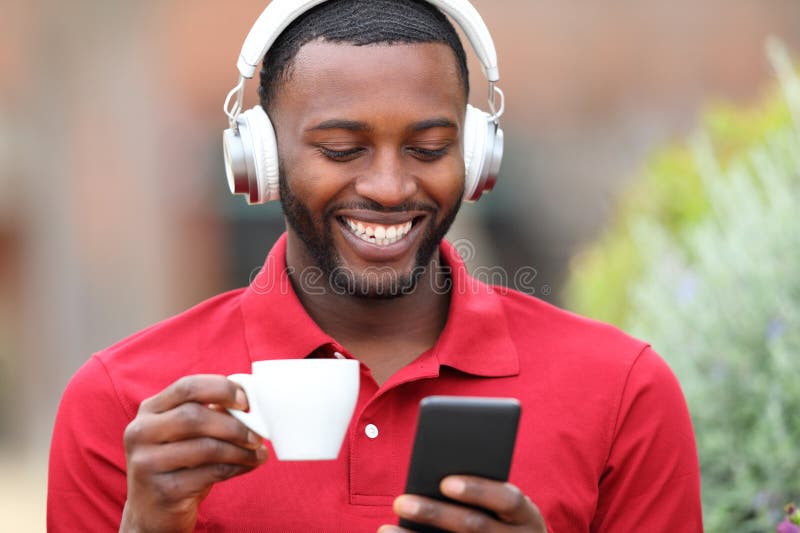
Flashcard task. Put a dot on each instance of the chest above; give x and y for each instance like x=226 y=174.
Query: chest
x=556 y=462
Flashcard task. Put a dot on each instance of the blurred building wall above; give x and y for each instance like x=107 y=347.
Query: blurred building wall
x=113 y=207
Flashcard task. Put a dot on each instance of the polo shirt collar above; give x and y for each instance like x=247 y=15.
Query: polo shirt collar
x=475 y=339
x=276 y=324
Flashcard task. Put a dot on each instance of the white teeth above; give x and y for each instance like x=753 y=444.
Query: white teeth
x=377 y=233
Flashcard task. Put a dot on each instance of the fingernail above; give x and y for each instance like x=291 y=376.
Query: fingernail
x=261 y=453
x=389 y=529
x=252 y=438
x=454 y=486
x=241 y=400
x=407 y=506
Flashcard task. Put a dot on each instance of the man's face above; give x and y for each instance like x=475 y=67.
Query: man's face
x=372 y=166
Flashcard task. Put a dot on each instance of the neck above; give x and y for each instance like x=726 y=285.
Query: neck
x=385 y=334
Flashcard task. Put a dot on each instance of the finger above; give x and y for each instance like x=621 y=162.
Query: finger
x=389 y=528
x=504 y=499
x=188 y=421
x=447 y=516
x=191 y=454
x=177 y=486
x=200 y=388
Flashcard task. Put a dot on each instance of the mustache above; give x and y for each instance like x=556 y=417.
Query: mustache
x=370 y=205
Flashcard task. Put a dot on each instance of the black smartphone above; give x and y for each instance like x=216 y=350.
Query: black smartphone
x=460 y=435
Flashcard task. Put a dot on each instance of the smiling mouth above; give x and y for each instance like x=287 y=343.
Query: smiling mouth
x=378 y=234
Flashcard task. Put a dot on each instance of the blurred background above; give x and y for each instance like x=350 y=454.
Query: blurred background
x=115 y=214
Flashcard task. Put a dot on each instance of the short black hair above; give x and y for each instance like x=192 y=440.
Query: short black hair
x=360 y=22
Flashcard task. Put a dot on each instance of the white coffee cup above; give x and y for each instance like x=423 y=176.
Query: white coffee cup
x=303 y=406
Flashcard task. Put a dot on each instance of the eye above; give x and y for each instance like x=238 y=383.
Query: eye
x=426 y=154
x=340 y=156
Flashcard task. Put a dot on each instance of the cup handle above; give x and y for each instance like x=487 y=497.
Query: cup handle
x=252 y=418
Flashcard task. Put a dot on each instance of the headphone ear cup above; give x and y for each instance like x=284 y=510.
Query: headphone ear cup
x=475 y=133
x=265 y=153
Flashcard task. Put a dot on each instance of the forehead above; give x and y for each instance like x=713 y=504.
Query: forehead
x=329 y=78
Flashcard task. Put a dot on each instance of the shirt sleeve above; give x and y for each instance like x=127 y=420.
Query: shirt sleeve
x=87 y=480
x=651 y=480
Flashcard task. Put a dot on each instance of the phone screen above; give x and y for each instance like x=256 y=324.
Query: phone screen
x=460 y=435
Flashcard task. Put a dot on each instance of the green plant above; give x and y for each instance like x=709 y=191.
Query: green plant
x=715 y=286
x=670 y=193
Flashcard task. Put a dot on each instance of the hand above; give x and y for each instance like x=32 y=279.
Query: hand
x=181 y=442
x=516 y=512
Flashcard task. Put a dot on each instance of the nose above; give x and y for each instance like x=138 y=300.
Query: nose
x=387 y=181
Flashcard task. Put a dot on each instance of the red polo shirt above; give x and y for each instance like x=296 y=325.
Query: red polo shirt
x=605 y=441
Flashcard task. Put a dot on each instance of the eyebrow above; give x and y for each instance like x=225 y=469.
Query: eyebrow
x=340 y=124
x=440 y=122
x=353 y=125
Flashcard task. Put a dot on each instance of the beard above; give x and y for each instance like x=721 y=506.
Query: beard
x=316 y=233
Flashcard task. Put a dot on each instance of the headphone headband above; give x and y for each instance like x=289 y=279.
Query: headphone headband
x=279 y=14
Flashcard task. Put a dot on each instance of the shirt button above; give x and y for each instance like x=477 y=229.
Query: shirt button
x=372 y=431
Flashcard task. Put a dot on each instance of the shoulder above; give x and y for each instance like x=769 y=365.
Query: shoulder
x=104 y=394
x=591 y=367
x=613 y=386
x=203 y=339
x=206 y=317
x=553 y=332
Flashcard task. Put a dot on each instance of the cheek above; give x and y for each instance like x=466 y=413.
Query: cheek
x=446 y=184
x=303 y=169
x=311 y=179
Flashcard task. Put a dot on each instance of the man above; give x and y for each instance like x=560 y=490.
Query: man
x=368 y=101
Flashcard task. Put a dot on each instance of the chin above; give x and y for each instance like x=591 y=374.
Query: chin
x=375 y=283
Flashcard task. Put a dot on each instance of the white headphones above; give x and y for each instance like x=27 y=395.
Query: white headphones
x=250 y=146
